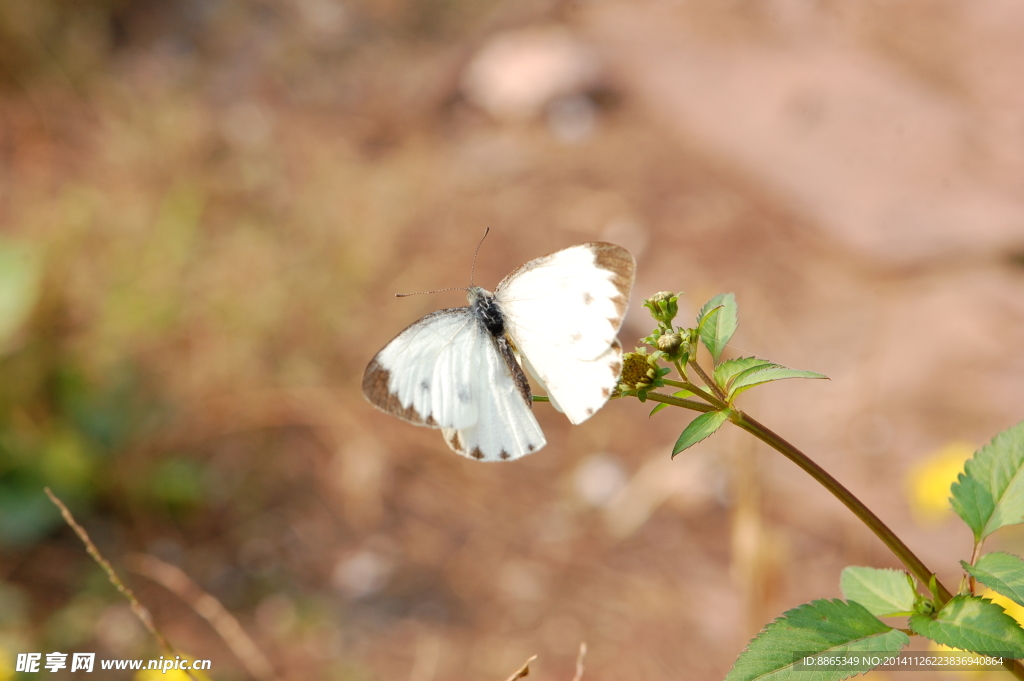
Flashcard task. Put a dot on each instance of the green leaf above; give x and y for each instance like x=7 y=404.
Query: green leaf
x=816 y=628
x=20 y=276
x=974 y=624
x=884 y=592
x=989 y=494
x=700 y=428
x=662 y=405
x=730 y=367
x=717 y=322
x=1001 y=572
x=766 y=373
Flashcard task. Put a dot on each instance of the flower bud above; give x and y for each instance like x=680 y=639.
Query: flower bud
x=669 y=343
x=663 y=307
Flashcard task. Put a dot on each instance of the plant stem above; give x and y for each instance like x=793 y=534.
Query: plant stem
x=707 y=380
x=680 y=402
x=881 y=530
x=975 y=555
x=914 y=564
x=695 y=389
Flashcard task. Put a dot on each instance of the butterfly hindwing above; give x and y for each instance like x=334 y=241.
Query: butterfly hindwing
x=563 y=312
x=506 y=428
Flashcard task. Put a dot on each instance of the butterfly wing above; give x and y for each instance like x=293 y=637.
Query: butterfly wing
x=447 y=371
x=506 y=428
x=563 y=311
x=422 y=375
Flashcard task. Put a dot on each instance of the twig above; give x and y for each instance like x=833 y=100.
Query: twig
x=209 y=608
x=140 y=611
x=579 y=662
x=523 y=671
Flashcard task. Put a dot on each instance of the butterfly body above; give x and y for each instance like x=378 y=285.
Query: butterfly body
x=457 y=370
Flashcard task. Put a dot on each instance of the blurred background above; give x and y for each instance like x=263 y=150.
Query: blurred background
x=206 y=208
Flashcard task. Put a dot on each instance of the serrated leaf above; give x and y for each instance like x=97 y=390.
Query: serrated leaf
x=989 y=494
x=974 y=624
x=884 y=592
x=766 y=373
x=1001 y=572
x=816 y=628
x=700 y=428
x=716 y=326
x=662 y=405
x=730 y=367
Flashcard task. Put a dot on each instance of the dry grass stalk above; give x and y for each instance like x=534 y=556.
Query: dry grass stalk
x=579 y=662
x=209 y=608
x=140 y=610
x=522 y=671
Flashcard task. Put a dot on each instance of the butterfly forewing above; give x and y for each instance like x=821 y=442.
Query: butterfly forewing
x=422 y=375
x=447 y=371
x=563 y=312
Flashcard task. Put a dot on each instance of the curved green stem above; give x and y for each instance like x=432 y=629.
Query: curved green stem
x=909 y=559
x=718 y=401
x=914 y=564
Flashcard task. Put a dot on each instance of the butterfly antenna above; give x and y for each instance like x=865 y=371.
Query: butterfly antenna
x=423 y=293
x=472 y=270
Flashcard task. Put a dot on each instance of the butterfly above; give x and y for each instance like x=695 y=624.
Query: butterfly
x=457 y=369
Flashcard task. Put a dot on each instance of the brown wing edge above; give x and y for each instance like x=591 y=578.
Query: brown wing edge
x=622 y=265
x=375 y=388
x=607 y=256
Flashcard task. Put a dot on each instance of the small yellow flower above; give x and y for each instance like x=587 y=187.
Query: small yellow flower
x=638 y=370
x=929 y=481
x=1012 y=609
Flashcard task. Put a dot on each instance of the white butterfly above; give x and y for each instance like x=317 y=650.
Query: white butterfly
x=456 y=369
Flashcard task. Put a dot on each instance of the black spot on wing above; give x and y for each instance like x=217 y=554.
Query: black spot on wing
x=590 y=411
x=376 y=380
x=530 y=447
x=504 y=456
x=463 y=393
x=477 y=454
x=606 y=392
